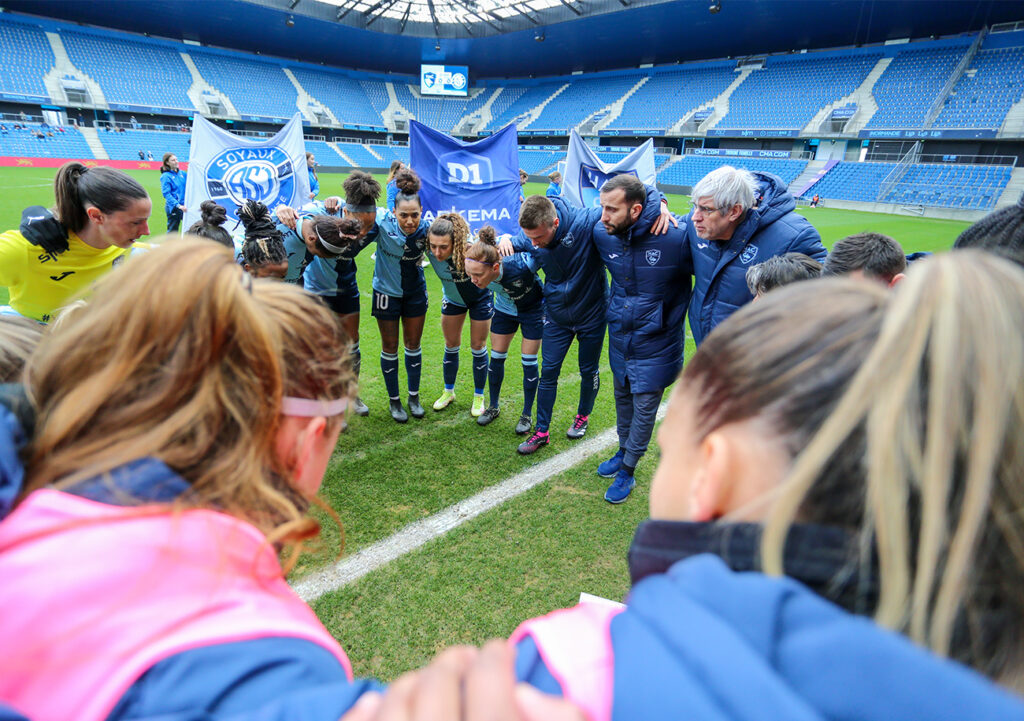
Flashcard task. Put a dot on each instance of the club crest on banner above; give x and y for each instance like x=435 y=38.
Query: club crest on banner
x=240 y=174
x=592 y=179
x=653 y=256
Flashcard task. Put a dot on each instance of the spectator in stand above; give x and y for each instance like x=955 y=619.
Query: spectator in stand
x=142 y=154
x=781 y=270
x=523 y=179
x=739 y=217
x=149 y=155
x=134 y=122
x=867 y=255
x=555 y=189
x=1000 y=232
x=3 y=129
x=172 y=185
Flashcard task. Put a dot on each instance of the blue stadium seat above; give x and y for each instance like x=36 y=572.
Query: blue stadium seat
x=583 y=97
x=345 y=96
x=691 y=168
x=908 y=88
x=22 y=144
x=27 y=58
x=668 y=97
x=126 y=145
x=993 y=83
x=789 y=91
x=255 y=87
x=131 y=71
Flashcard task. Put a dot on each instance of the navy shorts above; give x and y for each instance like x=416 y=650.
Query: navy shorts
x=391 y=307
x=532 y=324
x=342 y=304
x=483 y=309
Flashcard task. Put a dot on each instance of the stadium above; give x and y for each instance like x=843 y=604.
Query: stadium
x=902 y=118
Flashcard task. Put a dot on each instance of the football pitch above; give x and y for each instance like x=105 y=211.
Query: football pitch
x=529 y=555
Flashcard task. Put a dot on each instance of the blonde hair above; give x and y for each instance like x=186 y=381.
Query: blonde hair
x=456 y=229
x=939 y=403
x=182 y=357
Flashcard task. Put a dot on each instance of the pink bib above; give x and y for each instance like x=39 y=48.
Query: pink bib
x=93 y=595
x=576 y=646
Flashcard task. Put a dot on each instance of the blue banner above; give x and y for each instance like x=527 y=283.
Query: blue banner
x=479 y=181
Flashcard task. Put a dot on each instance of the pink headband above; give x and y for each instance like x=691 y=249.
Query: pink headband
x=309 y=408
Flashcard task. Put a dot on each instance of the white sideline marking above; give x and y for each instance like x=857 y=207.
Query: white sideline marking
x=427 y=529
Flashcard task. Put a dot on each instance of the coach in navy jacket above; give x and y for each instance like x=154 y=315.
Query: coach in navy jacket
x=650 y=290
x=560 y=237
x=739 y=219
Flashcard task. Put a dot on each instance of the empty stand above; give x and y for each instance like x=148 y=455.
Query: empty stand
x=789 y=91
x=669 y=97
x=438 y=113
x=131 y=71
x=28 y=57
x=691 y=168
x=126 y=145
x=910 y=85
x=521 y=101
x=360 y=155
x=345 y=96
x=981 y=98
x=582 y=98
x=254 y=86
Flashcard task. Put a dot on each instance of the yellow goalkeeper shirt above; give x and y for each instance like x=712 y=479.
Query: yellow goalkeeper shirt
x=40 y=282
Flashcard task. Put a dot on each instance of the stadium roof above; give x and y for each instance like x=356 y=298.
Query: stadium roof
x=574 y=35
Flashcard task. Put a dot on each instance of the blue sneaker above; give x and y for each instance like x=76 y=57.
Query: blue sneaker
x=620 y=488
x=609 y=468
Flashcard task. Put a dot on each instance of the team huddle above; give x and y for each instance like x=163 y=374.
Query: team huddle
x=835 y=520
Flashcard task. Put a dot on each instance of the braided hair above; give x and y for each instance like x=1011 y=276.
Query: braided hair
x=454 y=227
x=264 y=244
x=1000 y=232
x=210 y=224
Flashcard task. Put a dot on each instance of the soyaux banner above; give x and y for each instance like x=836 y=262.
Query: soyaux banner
x=585 y=173
x=229 y=169
x=480 y=180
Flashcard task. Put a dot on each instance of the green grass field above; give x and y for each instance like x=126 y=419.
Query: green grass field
x=529 y=556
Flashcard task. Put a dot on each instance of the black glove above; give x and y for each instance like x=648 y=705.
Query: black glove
x=40 y=228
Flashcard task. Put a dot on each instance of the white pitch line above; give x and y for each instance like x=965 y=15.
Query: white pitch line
x=417 y=534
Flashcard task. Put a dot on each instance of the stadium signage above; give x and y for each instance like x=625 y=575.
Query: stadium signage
x=719 y=133
x=843 y=113
x=630 y=133
x=928 y=134
x=151 y=109
x=742 y=153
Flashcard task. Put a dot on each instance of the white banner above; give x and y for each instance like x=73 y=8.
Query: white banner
x=229 y=169
x=585 y=173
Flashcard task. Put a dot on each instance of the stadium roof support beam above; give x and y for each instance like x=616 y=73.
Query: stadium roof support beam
x=524 y=10
x=347 y=9
x=572 y=7
x=405 y=17
x=384 y=7
x=433 y=18
x=478 y=14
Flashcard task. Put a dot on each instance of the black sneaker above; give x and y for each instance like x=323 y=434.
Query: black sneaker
x=578 y=429
x=534 y=442
x=360 y=408
x=524 y=425
x=398 y=412
x=487 y=416
x=415 y=409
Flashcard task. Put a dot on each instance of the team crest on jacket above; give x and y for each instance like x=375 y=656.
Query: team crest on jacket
x=653 y=256
x=568 y=240
x=262 y=174
x=748 y=254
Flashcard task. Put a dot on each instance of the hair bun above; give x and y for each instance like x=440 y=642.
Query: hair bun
x=488 y=235
x=213 y=213
x=407 y=181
